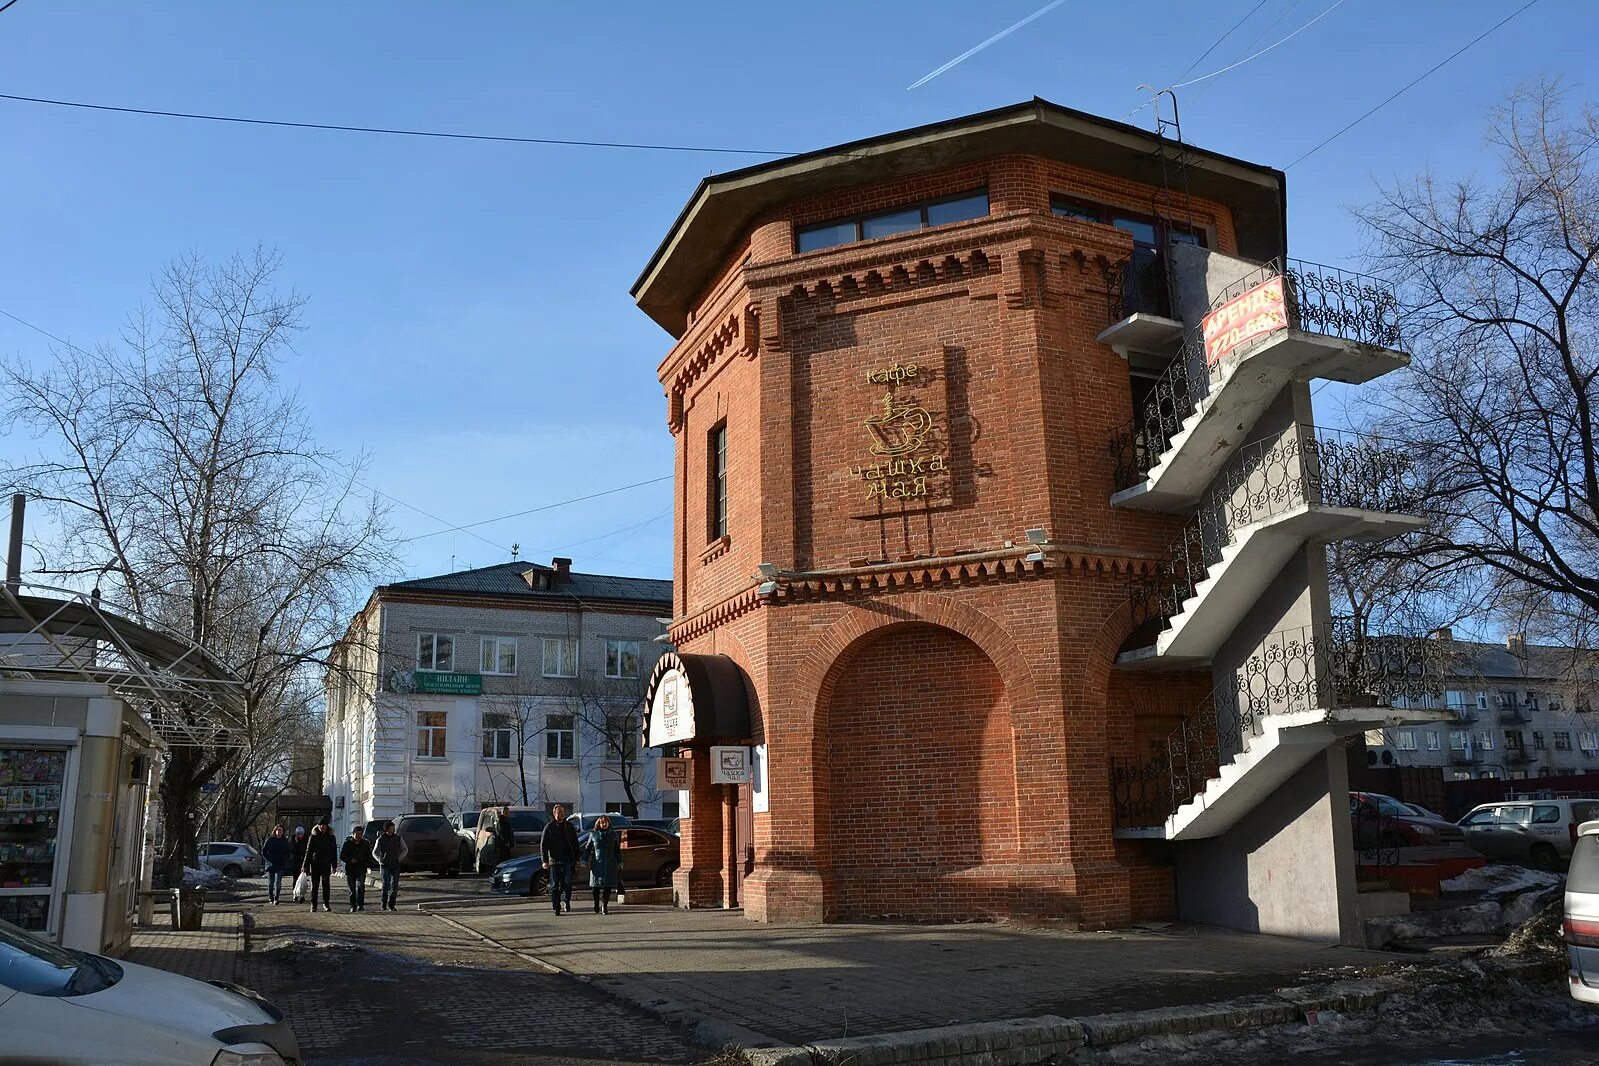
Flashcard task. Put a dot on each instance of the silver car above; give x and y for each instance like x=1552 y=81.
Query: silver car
x=1539 y=832
x=232 y=858
x=1581 y=924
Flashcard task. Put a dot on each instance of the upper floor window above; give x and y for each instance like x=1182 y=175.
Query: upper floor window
x=430 y=734
x=560 y=656
x=1146 y=230
x=717 y=484
x=435 y=651
x=498 y=655
x=621 y=737
x=499 y=735
x=560 y=737
x=905 y=219
x=621 y=658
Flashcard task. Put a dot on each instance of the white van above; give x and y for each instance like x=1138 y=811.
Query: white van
x=1581 y=924
x=1539 y=832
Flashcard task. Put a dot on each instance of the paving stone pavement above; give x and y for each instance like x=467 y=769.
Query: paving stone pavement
x=406 y=987
x=807 y=983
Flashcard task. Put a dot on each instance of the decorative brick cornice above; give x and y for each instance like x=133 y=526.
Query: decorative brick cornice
x=973 y=568
x=737 y=324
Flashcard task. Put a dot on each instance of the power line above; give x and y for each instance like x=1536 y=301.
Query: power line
x=7 y=4
x=1417 y=81
x=1217 y=42
x=543 y=507
x=1234 y=66
x=439 y=134
x=347 y=472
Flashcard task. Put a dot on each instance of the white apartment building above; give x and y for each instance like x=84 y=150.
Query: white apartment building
x=516 y=683
x=1519 y=711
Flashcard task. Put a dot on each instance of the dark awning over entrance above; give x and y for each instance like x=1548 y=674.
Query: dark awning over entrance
x=695 y=699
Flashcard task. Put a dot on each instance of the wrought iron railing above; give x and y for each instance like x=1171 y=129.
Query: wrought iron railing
x=1295 y=670
x=1138 y=284
x=1264 y=480
x=1318 y=299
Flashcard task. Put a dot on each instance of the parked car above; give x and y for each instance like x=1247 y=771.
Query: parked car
x=1425 y=813
x=585 y=822
x=72 y=1008
x=232 y=858
x=465 y=825
x=1540 y=832
x=1580 y=925
x=1383 y=822
x=526 y=825
x=649 y=858
x=665 y=825
x=430 y=843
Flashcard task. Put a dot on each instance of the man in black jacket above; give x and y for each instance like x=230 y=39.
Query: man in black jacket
x=388 y=850
x=558 y=845
x=356 y=855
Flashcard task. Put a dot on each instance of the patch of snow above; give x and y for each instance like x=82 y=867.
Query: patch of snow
x=201 y=877
x=1500 y=879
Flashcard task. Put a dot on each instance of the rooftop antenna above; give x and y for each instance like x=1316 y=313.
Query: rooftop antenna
x=516 y=551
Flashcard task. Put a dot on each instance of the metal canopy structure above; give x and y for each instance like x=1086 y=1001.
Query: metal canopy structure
x=56 y=634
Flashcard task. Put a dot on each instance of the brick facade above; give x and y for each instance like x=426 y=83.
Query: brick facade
x=938 y=709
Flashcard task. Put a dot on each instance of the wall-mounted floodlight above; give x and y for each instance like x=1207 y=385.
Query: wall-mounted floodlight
x=1037 y=536
x=768 y=570
x=1033 y=557
x=766 y=588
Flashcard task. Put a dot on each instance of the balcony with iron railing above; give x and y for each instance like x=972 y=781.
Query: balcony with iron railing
x=1284 y=704
x=1518 y=756
x=1516 y=713
x=1330 y=323
x=1463 y=756
x=1273 y=498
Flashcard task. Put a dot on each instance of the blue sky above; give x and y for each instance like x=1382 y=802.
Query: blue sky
x=469 y=323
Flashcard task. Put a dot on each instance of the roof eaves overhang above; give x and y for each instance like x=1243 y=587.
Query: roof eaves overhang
x=723 y=206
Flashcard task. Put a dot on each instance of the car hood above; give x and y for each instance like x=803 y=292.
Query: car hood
x=156 y=997
x=1437 y=825
x=513 y=865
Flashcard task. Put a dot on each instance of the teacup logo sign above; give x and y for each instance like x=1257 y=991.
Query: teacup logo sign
x=900 y=429
x=901 y=436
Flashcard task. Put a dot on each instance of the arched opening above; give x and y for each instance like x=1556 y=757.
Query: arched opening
x=916 y=766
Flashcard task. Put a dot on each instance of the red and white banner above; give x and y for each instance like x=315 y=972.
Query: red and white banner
x=1255 y=313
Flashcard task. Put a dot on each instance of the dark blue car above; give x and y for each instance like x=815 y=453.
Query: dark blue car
x=649 y=857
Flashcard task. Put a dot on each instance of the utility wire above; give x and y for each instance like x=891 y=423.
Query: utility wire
x=1284 y=40
x=440 y=134
x=542 y=507
x=1217 y=42
x=7 y=4
x=1412 y=84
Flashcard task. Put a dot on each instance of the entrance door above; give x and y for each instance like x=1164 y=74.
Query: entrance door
x=743 y=842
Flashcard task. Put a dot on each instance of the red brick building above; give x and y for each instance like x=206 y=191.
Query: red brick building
x=1017 y=563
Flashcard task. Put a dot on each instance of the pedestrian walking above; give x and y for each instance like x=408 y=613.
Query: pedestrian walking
x=504 y=836
x=388 y=850
x=321 y=858
x=277 y=854
x=356 y=855
x=604 y=854
x=302 y=880
x=558 y=846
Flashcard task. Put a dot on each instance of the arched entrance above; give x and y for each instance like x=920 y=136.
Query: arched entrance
x=916 y=777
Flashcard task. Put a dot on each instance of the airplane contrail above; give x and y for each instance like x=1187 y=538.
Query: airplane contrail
x=1001 y=35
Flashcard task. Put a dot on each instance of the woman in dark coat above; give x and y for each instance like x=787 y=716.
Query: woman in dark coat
x=277 y=853
x=297 y=859
x=321 y=856
x=603 y=852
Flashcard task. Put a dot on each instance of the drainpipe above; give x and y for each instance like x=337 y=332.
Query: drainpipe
x=19 y=504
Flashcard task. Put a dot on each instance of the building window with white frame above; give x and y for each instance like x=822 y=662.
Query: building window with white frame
x=1459 y=740
x=1407 y=740
x=430 y=734
x=560 y=656
x=560 y=738
x=435 y=652
x=1485 y=740
x=621 y=658
x=1562 y=740
x=1433 y=743
x=499 y=736
x=498 y=655
x=1588 y=742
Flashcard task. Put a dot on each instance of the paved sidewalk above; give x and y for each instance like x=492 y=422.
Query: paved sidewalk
x=371 y=988
x=801 y=984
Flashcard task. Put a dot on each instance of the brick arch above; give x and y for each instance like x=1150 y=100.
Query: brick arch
x=830 y=654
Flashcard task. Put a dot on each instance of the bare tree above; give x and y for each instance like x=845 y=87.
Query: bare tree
x=1498 y=409
x=184 y=480
x=611 y=713
x=512 y=728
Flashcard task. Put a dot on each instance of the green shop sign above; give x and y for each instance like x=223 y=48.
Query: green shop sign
x=447 y=684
